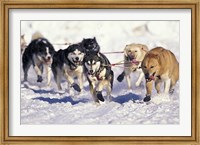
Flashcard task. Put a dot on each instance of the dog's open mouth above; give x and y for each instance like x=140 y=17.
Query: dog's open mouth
x=47 y=61
x=134 y=61
x=130 y=57
x=77 y=62
x=151 y=77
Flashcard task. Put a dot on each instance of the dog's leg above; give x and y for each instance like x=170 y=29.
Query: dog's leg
x=93 y=92
x=149 y=90
x=58 y=82
x=157 y=86
x=141 y=76
x=26 y=67
x=71 y=82
x=109 y=89
x=38 y=72
x=57 y=73
x=48 y=71
x=120 y=78
x=41 y=68
x=173 y=82
x=80 y=81
x=99 y=89
x=167 y=85
x=128 y=78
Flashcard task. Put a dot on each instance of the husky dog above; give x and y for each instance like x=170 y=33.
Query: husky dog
x=38 y=53
x=68 y=63
x=90 y=45
x=99 y=74
x=133 y=56
x=160 y=65
x=23 y=44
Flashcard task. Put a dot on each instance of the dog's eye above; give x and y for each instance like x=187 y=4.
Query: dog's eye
x=145 y=67
x=135 y=50
x=152 y=66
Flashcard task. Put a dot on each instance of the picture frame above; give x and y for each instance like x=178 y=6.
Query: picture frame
x=6 y=5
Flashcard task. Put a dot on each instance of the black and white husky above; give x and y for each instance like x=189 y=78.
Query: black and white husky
x=99 y=74
x=68 y=63
x=38 y=53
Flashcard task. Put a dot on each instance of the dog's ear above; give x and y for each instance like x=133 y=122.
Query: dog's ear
x=98 y=54
x=94 y=38
x=145 y=48
x=22 y=36
x=125 y=50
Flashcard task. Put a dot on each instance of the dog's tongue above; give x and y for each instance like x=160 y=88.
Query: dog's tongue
x=135 y=61
x=152 y=77
x=77 y=62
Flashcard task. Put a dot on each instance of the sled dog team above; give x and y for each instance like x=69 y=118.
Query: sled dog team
x=157 y=65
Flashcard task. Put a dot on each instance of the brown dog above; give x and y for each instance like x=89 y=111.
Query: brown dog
x=160 y=65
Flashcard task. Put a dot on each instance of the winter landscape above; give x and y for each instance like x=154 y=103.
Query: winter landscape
x=46 y=105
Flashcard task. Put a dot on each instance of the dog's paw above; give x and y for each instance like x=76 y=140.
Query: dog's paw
x=147 y=99
x=100 y=96
x=137 y=84
x=40 y=79
x=171 y=91
x=76 y=87
x=120 y=78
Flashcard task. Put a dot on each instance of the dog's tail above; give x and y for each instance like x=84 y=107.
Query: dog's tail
x=36 y=35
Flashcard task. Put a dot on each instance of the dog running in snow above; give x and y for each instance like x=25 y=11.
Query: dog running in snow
x=99 y=74
x=38 y=53
x=97 y=70
x=68 y=63
x=160 y=65
x=133 y=56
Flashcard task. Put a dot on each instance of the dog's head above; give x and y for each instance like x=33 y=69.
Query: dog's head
x=75 y=54
x=92 y=63
x=90 y=45
x=134 y=51
x=44 y=50
x=151 y=66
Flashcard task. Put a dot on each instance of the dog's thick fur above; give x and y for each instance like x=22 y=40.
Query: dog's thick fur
x=68 y=63
x=38 y=53
x=133 y=56
x=160 y=65
x=99 y=74
x=90 y=46
x=23 y=43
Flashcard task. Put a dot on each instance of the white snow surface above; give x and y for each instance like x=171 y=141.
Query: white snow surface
x=46 y=105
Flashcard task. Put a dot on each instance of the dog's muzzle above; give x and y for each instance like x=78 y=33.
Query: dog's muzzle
x=150 y=77
x=130 y=57
x=76 y=61
x=47 y=59
x=91 y=72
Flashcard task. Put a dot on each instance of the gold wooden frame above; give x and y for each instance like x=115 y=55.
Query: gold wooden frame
x=145 y=4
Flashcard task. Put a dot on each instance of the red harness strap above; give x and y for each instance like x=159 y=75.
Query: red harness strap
x=98 y=78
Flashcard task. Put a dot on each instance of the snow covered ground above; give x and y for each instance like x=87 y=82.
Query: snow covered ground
x=45 y=105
